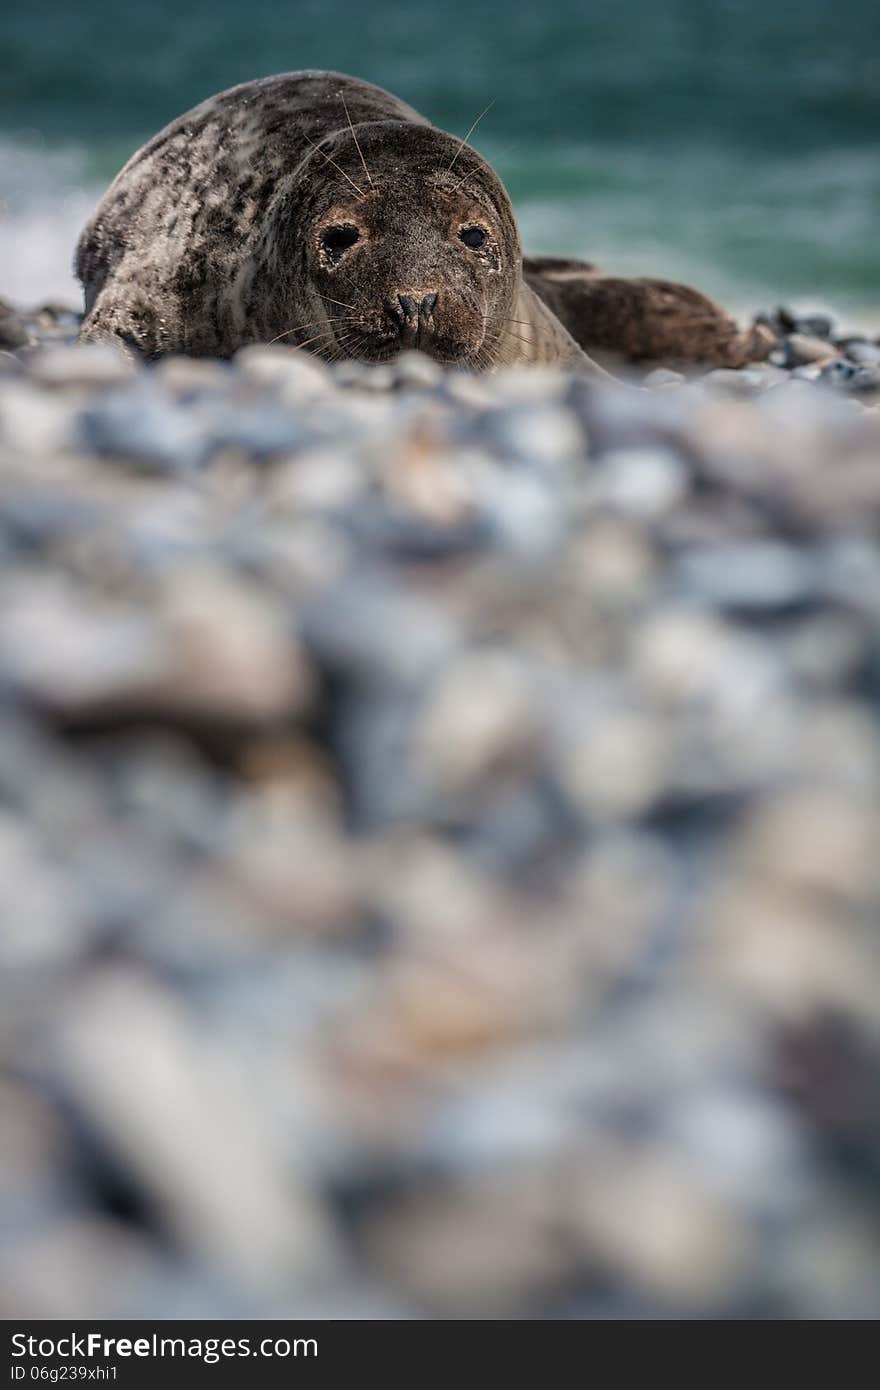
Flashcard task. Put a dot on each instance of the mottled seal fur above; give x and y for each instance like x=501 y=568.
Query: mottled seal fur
x=318 y=210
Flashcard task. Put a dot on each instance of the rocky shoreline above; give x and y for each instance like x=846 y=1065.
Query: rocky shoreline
x=438 y=828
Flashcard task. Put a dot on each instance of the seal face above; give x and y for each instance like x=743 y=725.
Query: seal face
x=320 y=211
x=420 y=255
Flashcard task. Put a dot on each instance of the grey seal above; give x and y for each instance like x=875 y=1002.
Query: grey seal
x=318 y=210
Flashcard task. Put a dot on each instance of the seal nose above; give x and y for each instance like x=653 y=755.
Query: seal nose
x=413 y=308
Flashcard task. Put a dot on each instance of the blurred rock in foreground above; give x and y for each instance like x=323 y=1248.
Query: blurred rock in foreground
x=439 y=839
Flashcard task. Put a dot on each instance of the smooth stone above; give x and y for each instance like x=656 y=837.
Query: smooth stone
x=484 y=1244
x=209 y=649
x=417 y=369
x=773 y=374
x=42 y=930
x=13 y=332
x=612 y=562
x=146 y=428
x=784 y=321
x=78 y=1264
x=319 y=479
x=469 y=389
x=614 y=762
x=866 y=354
x=827 y=648
x=436 y=485
x=296 y=869
x=657 y=1221
x=95 y=366
x=744 y=382
x=543 y=434
x=33 y=423
x=687 y=658
x=527 y=517
x=190 y=1132
x=852 y=379
x=377 y=633
x=307 y=555
x=537 y=384
x=801 y=349
x=477 y=722
x=661 y=379
x=263 y=429
x=365 y=376
x=56 y=311
x=184 y=376
x=815 y=325
x=297 y=376
x=644 y=483
x=757 y=575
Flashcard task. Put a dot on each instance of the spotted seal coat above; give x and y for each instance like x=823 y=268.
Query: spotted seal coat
x=321 y=211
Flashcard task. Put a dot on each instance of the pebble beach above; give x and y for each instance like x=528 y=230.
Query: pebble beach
x=438 y=834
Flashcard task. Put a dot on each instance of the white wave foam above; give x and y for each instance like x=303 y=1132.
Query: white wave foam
x=45 y=198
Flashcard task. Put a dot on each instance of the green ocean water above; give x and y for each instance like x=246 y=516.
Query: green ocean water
x=732 y=143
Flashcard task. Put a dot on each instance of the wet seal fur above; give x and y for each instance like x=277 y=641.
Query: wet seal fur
x=321 y=211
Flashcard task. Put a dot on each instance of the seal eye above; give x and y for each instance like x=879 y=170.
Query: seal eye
x=336 y=240
x=474 y=237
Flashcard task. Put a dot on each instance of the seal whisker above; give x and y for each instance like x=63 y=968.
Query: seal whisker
x=340 y=302
x=462 y=181
x=300 y=327
x=339 y=318
x=316 y=339
x=494 y=348
x=359 y=191
x=356 y=141
x=487 y=357
x=341 y=352
x=506 y=149
x=469 y=134
x=342 y=346
x=519 y=337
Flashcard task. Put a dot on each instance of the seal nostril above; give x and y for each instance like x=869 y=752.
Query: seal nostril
x=408 y=305
x=426 y=308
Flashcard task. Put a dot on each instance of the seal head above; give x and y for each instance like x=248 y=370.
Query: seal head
x=398 y=237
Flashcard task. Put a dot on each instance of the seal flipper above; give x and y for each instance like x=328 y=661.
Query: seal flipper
x=642 y=320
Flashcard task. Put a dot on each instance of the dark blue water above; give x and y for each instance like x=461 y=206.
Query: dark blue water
x=733 y=143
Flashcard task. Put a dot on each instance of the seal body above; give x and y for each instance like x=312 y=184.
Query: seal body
x=320 y=211
x=642 y=320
